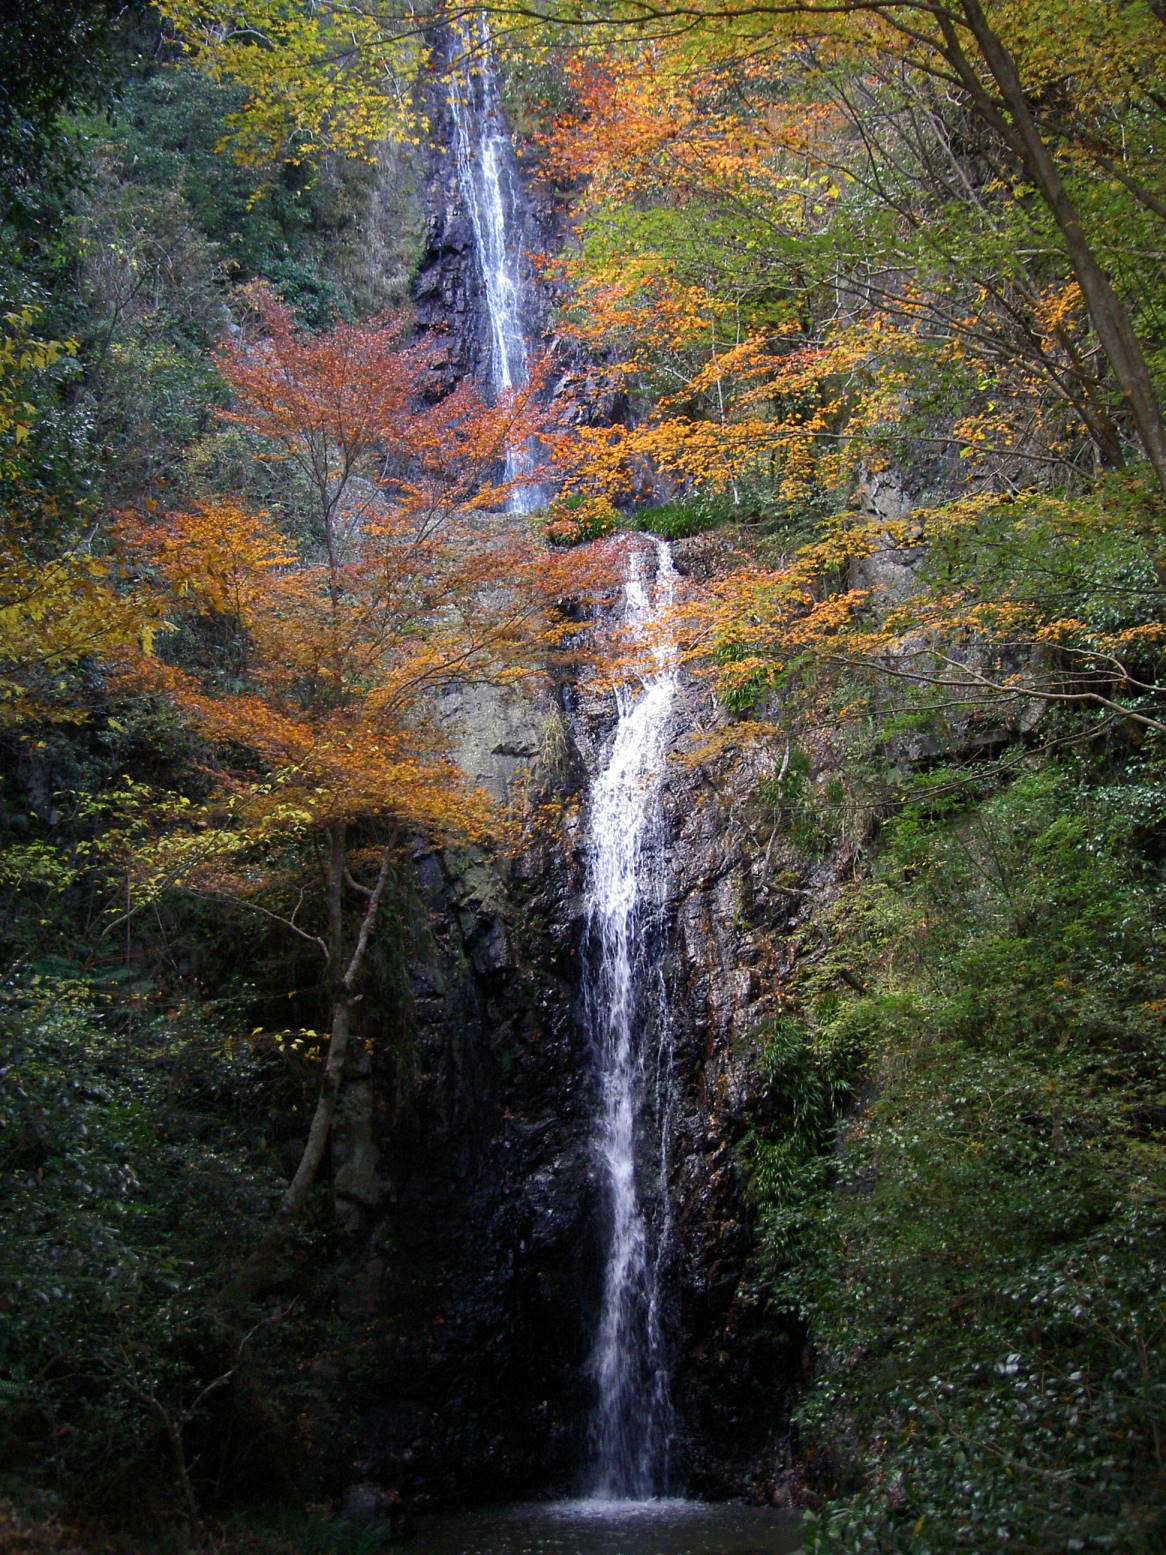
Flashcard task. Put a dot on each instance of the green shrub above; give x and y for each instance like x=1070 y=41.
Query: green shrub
x=796 y=804
x=683 y=517
x=981 y=1261
x=125 y=1186
x=579 y=519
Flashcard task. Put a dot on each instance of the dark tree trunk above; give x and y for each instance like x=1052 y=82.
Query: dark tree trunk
x=257 y=1270
x=1012 y=118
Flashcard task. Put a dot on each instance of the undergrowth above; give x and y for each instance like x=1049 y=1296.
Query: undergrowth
x=977 y=1243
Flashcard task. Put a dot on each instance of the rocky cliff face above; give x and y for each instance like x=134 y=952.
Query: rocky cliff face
x=448 y=289
x=449 y=294
x=470 y=1241
x=463 y=1165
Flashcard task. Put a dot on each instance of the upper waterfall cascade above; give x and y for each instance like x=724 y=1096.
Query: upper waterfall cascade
x=488 y=175
x=632 y=1423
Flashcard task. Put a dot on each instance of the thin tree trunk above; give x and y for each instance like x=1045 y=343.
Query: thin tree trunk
x=1110 y=317
x=253 y=1274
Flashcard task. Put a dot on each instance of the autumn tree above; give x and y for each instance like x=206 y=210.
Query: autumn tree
x=1066 y=106
x=1051 y=99
x=60 y=605
x=318 y=77
x=666 y=286
x=826 y=192
x=818 y=182
x=318 y=693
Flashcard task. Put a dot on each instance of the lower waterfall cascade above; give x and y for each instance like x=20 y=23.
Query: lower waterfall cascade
x=633 y=1418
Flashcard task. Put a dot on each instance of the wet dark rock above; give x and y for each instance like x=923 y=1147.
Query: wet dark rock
x=480 y=1264
x=370 y=1508
x=463 y=1170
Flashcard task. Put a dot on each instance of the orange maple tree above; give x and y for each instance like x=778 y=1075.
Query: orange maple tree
x=319 y=697
x=769 y=343
x=694 y=207
x=1013 y=610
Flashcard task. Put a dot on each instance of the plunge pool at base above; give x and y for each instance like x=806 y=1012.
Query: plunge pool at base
x=600 y=1527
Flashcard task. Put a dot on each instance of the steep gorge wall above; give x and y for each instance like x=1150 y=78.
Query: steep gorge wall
x=470 y=1253
x=448 y=288
x=463 y=1167
x=464 y=1162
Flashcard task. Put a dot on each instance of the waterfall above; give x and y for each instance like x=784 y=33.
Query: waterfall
x=632 y=1422
x=488 y=176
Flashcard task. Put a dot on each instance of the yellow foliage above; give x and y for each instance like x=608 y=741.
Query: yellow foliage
x=22 y=354
x=325 y=76
x=53 y=615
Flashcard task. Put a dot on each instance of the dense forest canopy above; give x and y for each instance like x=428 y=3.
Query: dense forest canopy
x=880 y=289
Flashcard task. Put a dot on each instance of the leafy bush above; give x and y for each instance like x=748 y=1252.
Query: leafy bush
x=795 y=804
x=125 y=1187
x=982 y=1263
x=787 y=1160
x=684 y=517
x=578 y=519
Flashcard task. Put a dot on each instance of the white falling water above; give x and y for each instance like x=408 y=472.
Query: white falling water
x=632 y=1422
x=489 y=183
